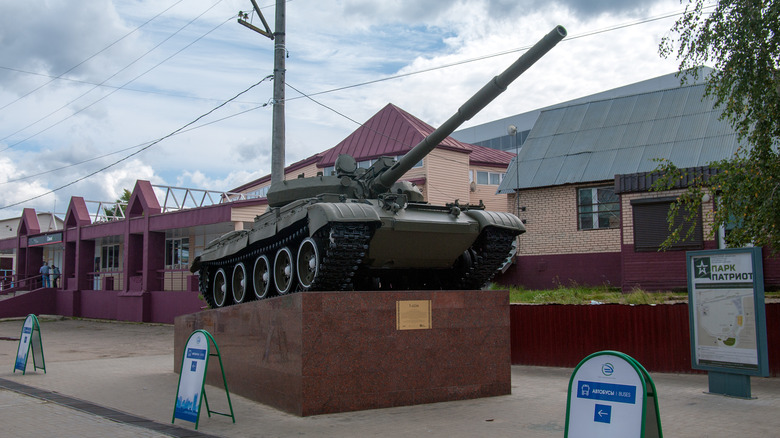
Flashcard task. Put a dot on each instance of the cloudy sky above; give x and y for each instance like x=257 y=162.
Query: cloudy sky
x=83 y=87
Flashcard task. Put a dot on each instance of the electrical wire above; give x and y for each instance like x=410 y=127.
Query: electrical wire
x=183 y=131
x=309 y=96
x=110 y=77
x=135 y=90
x=140 y=150
x=60 y=76
x=494 y=55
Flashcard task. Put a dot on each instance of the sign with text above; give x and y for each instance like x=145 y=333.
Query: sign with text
x=608 y=397
x=191 y=391
x=30 y=339
x=726 y=310
x=413 y=314
x=46 y=239
x=192 y=377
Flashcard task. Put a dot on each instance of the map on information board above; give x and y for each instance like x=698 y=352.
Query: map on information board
x=723 y=307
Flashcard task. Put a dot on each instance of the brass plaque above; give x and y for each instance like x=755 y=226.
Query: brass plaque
x=413 y=314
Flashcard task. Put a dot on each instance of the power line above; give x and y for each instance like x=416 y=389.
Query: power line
x=183 y=131
x=309 y=96
x=138 y=151
x=466 y=61
x=88 y=58
x=493 y=55
x=112 y=76
x=136 y=90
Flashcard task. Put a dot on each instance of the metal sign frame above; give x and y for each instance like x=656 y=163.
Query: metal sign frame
x=724 y=272
x=612 y=394
x=187 y=406
x=30 y=339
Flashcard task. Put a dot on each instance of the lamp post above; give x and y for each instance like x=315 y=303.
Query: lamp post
x=512 y=131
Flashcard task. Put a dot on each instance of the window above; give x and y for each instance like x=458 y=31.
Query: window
x=109 y=257
x=177 y=253
x=262 y=192
x=651 y=226
x=489 y=178
x=598 y=208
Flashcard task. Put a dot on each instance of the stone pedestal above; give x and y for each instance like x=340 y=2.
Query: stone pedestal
x=324 y=352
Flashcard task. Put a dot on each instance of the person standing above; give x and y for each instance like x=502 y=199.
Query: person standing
x=44 y=271
x=55 y=276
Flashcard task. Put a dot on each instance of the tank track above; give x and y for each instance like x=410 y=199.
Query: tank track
x=491 y=250
x=343 y=247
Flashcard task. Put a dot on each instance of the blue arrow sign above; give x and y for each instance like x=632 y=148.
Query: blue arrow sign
x=603 y=413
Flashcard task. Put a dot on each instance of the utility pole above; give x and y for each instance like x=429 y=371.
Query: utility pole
x=280 y=53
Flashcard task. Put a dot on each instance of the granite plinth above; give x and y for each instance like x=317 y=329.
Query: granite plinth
x=324 y=352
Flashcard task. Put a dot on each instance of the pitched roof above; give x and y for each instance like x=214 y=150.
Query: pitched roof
x=594 y=141
x=392 y=131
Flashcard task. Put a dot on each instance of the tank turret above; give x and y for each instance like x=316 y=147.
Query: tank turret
x=363 y=229
x=380 y=177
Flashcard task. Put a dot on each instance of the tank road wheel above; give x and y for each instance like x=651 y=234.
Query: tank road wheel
x=220 y=288
x=308 y=264
x=238 y=284
x=283 y=270
x=261 y=277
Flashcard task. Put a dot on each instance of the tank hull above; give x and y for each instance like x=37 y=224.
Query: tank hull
x=356 y=244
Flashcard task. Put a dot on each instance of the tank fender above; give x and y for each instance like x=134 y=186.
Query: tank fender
x=321 y=214
x=498 y=219
x=230 y=243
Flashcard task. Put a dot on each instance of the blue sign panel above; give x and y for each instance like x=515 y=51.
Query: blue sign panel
x=603 y=413
x=191 y=379
x=24 y=344
x=606 y=392
x=196 y=353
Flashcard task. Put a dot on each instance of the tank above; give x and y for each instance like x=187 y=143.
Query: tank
x=363 y=229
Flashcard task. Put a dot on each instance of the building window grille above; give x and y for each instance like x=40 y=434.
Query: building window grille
x=489 y=178
x=177 y=253
x=598 y=208
x=109 y=257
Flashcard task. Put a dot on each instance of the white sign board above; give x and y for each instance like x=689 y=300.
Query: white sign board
x=726 y=305
x=607 y=397
x=192 y=378
x=24 y=344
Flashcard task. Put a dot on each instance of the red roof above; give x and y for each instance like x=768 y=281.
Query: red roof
x=391 y=132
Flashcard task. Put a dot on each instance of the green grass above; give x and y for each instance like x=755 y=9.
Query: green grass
x=575 y=294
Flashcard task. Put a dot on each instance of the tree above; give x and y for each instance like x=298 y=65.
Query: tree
x=741 y=40
x=118 y=210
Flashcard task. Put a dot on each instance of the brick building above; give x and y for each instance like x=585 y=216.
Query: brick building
x=582 y=185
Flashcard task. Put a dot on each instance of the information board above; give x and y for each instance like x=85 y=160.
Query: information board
x=30 y=339
x=726 y=310
x=191 y=392
x=192 y=377
x=608 y=397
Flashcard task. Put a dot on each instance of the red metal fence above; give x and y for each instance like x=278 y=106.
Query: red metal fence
x=657 y=336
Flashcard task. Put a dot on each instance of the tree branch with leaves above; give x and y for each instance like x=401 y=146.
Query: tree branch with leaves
x=740 y=39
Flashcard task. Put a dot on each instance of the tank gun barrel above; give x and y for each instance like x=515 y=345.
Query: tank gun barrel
x=475 y=104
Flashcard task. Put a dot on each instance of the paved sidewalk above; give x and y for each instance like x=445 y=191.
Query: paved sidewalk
x=116 y=379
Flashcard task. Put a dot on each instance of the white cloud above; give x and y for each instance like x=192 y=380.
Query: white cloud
x=348 y=43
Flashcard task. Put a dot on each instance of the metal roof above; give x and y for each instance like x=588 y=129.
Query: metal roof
x=525 y=121
x=594 y=141
x=391 y=132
